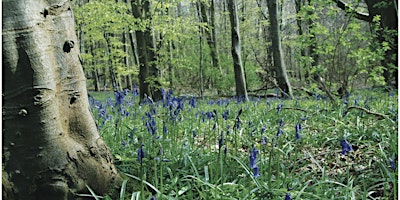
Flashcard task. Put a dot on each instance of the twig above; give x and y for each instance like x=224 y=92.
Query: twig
x=379 y=115
x=300 y=109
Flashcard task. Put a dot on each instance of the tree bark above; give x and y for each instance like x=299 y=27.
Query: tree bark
x=210 y=32
x=236 y=51
x=280 y=68
x=51 y=146
x=148 y=72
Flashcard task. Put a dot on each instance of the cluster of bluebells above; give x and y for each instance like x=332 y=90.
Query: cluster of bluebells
x=253 y=162
x=151 y=122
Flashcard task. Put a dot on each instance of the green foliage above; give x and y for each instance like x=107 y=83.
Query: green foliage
x=187 y=162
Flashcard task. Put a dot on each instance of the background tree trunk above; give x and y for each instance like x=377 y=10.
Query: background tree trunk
x=281 y=75
x=148 y=72
x=51 y=146
x=236 y=54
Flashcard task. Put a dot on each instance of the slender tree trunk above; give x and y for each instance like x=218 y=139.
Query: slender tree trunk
x=210 y=32
x=96 y=81
x=51 y=146
x=300 y=33
x=113 y=76
x=236 y=54
x=201 y=30
x=280 y=68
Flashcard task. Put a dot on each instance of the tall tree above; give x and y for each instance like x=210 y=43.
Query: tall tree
x=280 y=68
x=51 y=146
x=241 y=90
x=210 y=31
x=386 y=15
x=148 y=73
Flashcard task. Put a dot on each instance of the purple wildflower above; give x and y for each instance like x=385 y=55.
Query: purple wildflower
x=253 y=157
x=287 y=197
x=263 y=141
x=279 y=108
x=279 y=132
x=256 y=172
x=346 y=146
x=263 y=129
x=225 y=114
x=392 y=163
x=298 y=128
x=192 y=102
x=140 y=153
x=281 y=122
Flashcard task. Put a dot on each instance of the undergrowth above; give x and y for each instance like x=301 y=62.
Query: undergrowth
x=267 y=148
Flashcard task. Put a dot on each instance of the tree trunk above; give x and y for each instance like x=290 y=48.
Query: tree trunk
x=236 y=54
x=51 y=146
x=210 y=33
x=387 y=10
x=148 y=72
x=280 y=68
x=96 y=81
x=201 y=30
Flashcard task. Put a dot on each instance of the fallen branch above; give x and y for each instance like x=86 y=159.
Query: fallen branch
x=300 y=109
x=379 y=115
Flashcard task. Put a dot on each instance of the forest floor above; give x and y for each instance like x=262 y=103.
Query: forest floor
x=267 y=148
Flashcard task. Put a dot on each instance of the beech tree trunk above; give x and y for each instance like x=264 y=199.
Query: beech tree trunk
x=236 y=51
x=51 y=146
x=280 y=67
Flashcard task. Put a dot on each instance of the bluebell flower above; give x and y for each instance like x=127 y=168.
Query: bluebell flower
x=225 y=114
x=119 y=97
x=281 y=122
x=135 y=91
x=140 y=153
x=263 y=142
x=392 y=163
x=256 y=172
x=263 y=129
x=192 y=102
x=194 y=133
x=268 y=104
x=237 y=123
x=279 y=132
x=279 y=108
x=346 y=146
x=123 y=143
x=253 y=157
x=214 y=126
x=298 y=128
x=287 y=197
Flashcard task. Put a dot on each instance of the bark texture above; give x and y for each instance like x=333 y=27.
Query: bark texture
x=277 y=54
x=148 y=71
x=236 y=51
x=51 y=146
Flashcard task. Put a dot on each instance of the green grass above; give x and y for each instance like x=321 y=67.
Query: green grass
x=178 y=165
